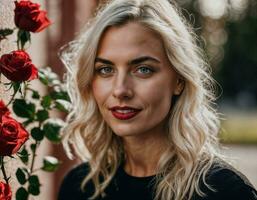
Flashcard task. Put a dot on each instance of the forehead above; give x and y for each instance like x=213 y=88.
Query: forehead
x=130 y=38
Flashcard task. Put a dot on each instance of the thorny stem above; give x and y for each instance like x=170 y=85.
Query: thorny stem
x=33 y=158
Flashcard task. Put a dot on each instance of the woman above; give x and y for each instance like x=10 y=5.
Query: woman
x=142 y=120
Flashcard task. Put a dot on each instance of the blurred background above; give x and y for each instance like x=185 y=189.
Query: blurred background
x=228 y=33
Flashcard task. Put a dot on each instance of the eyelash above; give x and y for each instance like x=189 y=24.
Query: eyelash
x=146 y=67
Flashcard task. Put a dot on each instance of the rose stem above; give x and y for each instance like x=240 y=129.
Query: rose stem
x=33 y=158
x=3 y=169
x=34 y=153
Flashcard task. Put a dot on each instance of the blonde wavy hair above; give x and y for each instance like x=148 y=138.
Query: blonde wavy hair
x=193 y=122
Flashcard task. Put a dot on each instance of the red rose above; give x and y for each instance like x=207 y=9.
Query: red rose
x=5 y=191
x=28 y=17
x=3 y=110
x=17 y=66
x=12 y=136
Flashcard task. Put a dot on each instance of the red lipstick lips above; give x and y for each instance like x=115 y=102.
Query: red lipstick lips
x=124 y=113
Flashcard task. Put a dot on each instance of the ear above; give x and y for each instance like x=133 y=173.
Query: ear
x=179 y=86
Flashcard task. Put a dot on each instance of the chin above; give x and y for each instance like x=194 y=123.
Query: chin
x=124 y=132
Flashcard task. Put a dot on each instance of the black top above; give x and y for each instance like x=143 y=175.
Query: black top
x=228 y=182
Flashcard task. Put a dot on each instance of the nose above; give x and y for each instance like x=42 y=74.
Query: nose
x=122 y=88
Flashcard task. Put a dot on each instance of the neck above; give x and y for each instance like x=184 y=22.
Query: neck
x=142 y=155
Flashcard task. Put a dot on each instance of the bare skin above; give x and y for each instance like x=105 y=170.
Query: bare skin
x=123 y=78
x=142 y=155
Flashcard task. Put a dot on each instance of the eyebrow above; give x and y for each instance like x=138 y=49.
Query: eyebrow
x=131 y=62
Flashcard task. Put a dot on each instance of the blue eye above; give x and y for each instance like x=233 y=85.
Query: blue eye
x=108 y=70
x=104 y=70
x=145 y=70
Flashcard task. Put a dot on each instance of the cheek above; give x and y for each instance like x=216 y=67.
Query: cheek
x=101 y=90
x=160 y=101
x=157 y=93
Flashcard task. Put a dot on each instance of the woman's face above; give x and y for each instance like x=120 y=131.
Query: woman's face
x=133 y=82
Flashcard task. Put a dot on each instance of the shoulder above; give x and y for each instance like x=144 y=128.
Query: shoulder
x=71 y=185
x=228 y=183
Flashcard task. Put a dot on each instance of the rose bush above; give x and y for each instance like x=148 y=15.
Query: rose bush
x=31 y=107
x=29 y=17
x=17 y=66
x=5 y=191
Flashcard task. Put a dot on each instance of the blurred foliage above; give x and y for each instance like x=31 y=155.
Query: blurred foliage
x=231 y=43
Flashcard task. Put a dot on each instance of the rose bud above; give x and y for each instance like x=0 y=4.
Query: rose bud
x=5 y=191
x=28 y=17
x=12 y=136
x=17 y=66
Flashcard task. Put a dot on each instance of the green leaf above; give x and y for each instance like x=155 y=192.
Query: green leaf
x=34 y=185
x=23 y=109
x=60 y=95
x=37 y=134
x=52 y=131
x=50 y=164
x=62 y=105
x=42 y=115
x=23 y=155
x=21 y=176
x=33 y=180
x=23 y=37
x=46 y=102
x=43 y=79
x=33 y=147
x=22 y=194
x=5 y=32
x=35 y=95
